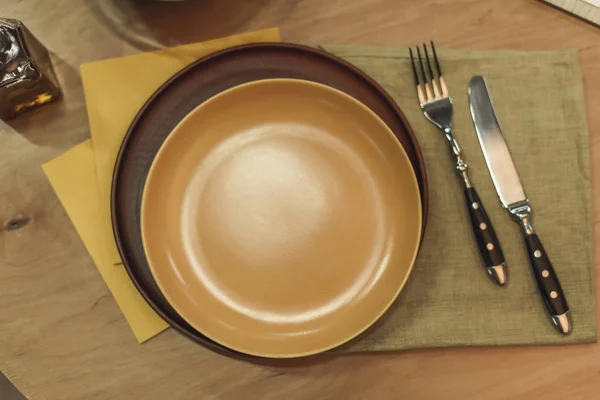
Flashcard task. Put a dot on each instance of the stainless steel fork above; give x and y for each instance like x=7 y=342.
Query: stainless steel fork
x=436 y=105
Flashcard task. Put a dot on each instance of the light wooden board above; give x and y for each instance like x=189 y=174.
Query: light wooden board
x=62 y=335
x=587 y=10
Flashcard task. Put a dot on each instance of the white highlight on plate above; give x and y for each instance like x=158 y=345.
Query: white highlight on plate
x=285 y=169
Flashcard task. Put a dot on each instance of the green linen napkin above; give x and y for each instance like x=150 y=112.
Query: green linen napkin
x=448 y=300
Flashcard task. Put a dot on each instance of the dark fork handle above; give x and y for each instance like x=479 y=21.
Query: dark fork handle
x=485 y=236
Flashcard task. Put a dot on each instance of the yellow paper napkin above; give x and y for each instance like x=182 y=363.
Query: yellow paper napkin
x=116 y=89
x=74 y=179
x=82 y=176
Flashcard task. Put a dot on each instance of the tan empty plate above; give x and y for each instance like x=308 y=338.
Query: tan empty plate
x=281 y=218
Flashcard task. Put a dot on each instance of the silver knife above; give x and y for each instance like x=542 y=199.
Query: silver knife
x=513 y=198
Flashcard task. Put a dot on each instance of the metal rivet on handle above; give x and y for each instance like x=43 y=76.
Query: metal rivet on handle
x=545 y=273
x=482 y=226
x=475 y=205
x=537 y=254
x=553 y=294
x=490 y=246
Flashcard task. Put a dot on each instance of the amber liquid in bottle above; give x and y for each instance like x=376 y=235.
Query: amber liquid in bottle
x=27 y=79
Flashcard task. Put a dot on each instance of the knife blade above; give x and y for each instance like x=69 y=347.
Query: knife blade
x=512 y=197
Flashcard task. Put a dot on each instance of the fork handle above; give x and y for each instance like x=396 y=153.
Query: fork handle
x=485 y=236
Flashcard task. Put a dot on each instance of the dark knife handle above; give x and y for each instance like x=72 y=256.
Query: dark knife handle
x=485 y=236
x=548 y=284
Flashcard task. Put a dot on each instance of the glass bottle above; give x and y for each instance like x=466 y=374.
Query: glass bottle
x=27 y=79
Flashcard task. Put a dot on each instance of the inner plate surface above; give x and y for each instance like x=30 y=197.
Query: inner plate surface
x=281 y=218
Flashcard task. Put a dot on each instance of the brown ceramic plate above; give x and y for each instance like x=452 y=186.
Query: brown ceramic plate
x=191 y=87
x=281 y=218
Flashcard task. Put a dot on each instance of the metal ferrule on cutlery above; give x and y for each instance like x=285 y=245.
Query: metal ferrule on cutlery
x=513 y=198
x=437 y=108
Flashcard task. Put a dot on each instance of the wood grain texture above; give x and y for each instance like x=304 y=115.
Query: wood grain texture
x=578 y=8
x=61 y=334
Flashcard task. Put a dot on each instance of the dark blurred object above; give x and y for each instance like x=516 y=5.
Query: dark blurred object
x=150 y=25
x=8 y=391
x=27 y=79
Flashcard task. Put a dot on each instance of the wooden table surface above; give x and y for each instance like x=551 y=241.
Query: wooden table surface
x=62 y=335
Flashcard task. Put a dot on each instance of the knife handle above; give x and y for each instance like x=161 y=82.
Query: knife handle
x=485 y=236
x=548 y=284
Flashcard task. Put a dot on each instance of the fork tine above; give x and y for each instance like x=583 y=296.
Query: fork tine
x=420 y=93
x=414 y=68
x=439 y=70
x=435 y=59
x=436 y=89
x=427 y=89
